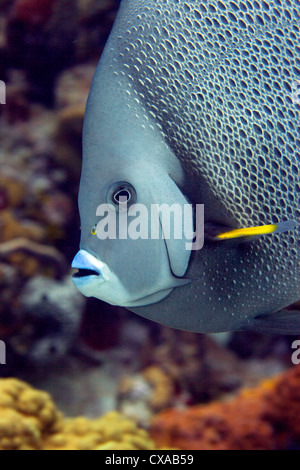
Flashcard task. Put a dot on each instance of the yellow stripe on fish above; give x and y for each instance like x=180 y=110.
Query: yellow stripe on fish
x=250 y=232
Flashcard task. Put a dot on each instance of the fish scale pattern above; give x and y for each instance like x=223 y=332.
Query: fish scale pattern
x=218 y=78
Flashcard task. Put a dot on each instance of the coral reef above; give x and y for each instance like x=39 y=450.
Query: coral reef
x=44 y=38
x=30 y=421
x=26 y=416
x=44 y=321
x=112 y=432
x=179 y=369
x=198 y=366
x=39 y=182
x=143 y=394
x=56 y=311
x=262 y=418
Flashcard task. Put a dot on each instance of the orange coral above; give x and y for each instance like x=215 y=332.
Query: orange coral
x=266 y=417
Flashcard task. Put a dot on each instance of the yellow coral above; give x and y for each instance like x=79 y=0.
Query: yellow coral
x=162 y=386
x=30 y=421
x=26 y=415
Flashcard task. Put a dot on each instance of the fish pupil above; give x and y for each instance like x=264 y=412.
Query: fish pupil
x=124 y=194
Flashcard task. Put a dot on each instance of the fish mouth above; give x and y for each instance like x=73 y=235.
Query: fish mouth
x=93 y=274
x=89 y=268
x=85 y=273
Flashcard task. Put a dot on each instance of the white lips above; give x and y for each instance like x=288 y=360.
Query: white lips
x=84 y=260
x=95 y=284
x=100 y=273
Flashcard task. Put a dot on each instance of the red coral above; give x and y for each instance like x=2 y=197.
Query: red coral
x=264 y=418
x=285 y=404
x=33 y=11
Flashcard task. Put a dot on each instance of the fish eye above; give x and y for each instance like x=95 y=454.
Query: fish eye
x=122 y=193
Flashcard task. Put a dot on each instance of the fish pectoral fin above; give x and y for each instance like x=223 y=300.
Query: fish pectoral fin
x=246 y=234
x=284 y=322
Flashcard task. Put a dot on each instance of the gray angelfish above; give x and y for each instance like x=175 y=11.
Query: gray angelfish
x=195 y=102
